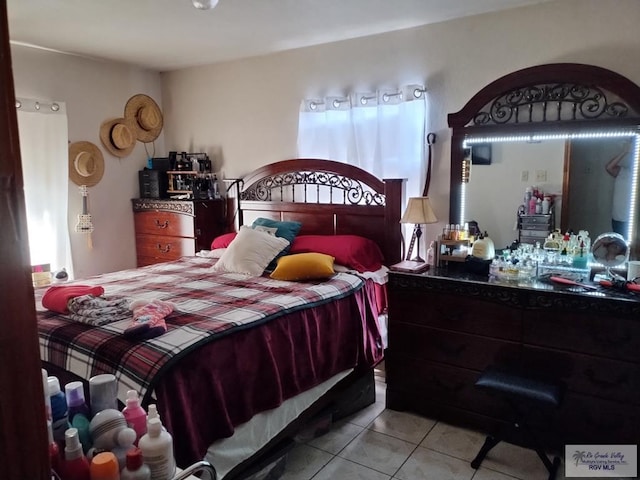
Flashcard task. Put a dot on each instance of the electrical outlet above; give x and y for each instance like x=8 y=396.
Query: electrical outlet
x=541 y=175
x=524 y=176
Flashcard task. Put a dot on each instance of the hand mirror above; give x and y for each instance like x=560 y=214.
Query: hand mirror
x=610 y=249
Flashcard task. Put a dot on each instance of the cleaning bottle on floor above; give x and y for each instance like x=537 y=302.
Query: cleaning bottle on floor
x=157 y=450
x=59 y=410
x=135 y=469
x=135 y=415
x=75 y=465
x=79 y=412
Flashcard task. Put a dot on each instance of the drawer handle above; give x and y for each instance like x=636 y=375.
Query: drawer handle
x=165 y=224
x=591 y=375
x=451 y=388
x=166 y=249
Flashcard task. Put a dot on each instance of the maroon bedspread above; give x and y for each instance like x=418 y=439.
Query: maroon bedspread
x=206 y=395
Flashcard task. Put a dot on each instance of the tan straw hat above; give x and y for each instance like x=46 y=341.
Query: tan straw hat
x=118 y=136
x=86 y=164
x=146 y=117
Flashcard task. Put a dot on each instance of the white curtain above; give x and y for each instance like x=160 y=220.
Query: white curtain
x=44 y=150
x=382 y=132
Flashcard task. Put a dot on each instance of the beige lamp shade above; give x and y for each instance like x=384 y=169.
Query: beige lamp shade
x=419 y=211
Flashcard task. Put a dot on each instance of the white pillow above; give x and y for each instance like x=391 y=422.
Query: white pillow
x=250 y=252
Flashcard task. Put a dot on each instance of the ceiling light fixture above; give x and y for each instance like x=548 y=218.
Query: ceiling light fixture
x=204 y=4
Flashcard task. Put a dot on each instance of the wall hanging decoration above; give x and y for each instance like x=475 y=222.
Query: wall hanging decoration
x=118 y=136
x=145 y=116
x=86 y=163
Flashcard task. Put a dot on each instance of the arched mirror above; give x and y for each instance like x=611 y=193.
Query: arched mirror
x=566 y=132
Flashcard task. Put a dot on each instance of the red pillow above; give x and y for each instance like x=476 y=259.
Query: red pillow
x=352 y=251
x=223 y=241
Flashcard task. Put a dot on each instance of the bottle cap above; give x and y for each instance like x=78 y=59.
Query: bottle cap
x=54 y=385
x=134 y=458
x=153 y=412
x=103 y=466
x=154 y=427
x=72 y=446
x=74 y=391
x=132 y=398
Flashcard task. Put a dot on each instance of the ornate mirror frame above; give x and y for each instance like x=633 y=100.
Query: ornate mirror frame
x=566 y=100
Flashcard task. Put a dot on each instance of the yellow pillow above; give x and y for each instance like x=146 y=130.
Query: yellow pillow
x=303 y=266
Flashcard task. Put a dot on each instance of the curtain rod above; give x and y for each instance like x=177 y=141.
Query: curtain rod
x=39 y=106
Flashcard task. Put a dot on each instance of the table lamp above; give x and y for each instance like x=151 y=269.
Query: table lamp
x=418 y=212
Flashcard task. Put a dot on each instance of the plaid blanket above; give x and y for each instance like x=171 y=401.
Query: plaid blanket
x=208 y=305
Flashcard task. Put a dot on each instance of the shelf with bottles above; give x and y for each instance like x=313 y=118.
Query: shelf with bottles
x=448 y=250
x=189 y=182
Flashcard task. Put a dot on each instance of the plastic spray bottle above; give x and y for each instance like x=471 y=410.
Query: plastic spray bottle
x=76 y=465
x=59 y=410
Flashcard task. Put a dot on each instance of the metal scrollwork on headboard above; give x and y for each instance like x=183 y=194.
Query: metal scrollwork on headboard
x=353 y=191
x=551 y=102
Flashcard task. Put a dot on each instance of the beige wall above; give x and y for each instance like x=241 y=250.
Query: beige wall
x=244 y=113
x=247 y=110
x=93 y=91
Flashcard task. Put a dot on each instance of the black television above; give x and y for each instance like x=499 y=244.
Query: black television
x=481 y=154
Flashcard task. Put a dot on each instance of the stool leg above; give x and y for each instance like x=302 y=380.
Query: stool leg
x=489 y=443
x=554 y=468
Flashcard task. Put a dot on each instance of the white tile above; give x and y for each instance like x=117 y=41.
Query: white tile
x=455 y=441
x=516 y=461
x=425 y=464
x=303 y=462
x=486 y=474
x=405 y=426
x=342 y=469
x=337 y=438
x=378 y=451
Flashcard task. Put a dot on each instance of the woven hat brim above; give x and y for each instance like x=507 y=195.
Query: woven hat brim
x=105 y=137
x=76 y=177
x=134 y=104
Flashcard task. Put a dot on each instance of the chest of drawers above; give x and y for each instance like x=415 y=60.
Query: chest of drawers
x=535 y=228
x=169 y=229
x=444 y=331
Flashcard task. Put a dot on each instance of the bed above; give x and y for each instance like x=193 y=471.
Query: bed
x=271 y=354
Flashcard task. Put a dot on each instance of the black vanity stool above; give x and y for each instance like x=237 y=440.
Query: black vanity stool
x=521 y=393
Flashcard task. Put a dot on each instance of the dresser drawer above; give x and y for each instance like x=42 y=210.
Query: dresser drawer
x=460 y=349
x=164 y=223
x=599 y=335
x=535 y=221
x=164 y=247
x=441 y=383
x=447 y=311
x=595 y=376
x=587 y=420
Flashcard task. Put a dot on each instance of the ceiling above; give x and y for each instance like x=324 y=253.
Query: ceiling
x=171 y=34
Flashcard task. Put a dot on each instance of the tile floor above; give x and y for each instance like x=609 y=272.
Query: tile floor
x=381 y=444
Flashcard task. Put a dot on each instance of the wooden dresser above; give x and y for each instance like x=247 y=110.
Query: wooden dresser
x=445 y=328
x=168 y=229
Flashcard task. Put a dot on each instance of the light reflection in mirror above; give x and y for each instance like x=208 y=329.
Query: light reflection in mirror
x=630 y=133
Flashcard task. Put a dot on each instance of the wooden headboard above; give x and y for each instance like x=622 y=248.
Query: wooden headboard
x=328 y=198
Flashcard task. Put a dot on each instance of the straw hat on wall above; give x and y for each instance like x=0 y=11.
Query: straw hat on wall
x=86 y=164
x=118 y=136
x=146 y=117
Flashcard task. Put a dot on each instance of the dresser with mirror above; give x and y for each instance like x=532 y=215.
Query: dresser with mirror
x=554 y=127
